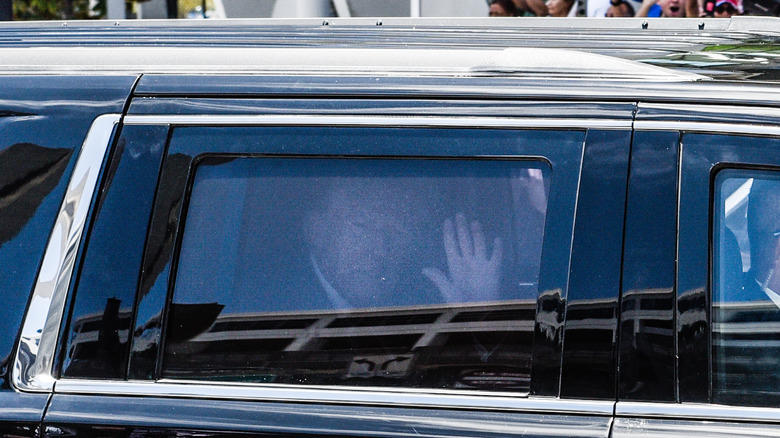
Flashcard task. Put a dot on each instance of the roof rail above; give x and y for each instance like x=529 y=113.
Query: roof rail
x=711 y=24
x=534 y=62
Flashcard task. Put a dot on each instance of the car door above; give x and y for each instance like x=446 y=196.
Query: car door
x=41 y=133
x=724 y=332
x=298 y=266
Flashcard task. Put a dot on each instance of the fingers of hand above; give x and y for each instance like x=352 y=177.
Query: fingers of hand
x=451 y=245
x=480 y=248
x=464 y=236
x=445 y=286
x=498 y=252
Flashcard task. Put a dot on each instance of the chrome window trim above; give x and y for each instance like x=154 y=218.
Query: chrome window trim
x=376 y=121
x=695 y=411
x=719 y=109
x=340 y=395
x=35 y=352
x=706 y=127
x=34 y=360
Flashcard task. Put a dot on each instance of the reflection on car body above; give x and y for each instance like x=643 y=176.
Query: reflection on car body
x=436 y=228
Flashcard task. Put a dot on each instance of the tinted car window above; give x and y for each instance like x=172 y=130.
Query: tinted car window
x=400 y=272
x=746 y=304
x=239 y=256
x=705 y=188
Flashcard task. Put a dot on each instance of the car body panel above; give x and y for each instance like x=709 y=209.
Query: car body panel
x=623 y=336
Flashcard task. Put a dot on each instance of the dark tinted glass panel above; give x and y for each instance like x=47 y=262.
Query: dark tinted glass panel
x=102 y=310
x=647 y=348
x=370 y=272
x=746 y=283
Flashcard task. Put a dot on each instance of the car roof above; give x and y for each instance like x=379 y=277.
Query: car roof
x=645 y=57
x=745 y=48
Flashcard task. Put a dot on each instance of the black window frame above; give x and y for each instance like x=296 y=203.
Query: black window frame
x=704 y=155
x=568 y=162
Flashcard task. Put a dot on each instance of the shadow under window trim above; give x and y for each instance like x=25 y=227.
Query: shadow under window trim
x=250 y=221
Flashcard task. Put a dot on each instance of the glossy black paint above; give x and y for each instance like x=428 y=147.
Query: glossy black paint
x=647 y=335
x=478 y=86
x=466 y=87
x=156 y=416
x=43 y=120
x=703 y=156
x=153 y=286
x=387 y=106
x=21 y=414
x=105 y=293
x=590 y=338
x=704 y=113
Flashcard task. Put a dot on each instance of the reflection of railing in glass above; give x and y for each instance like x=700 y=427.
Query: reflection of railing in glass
x=97 y=335
x=746 y=340
x=484 y=346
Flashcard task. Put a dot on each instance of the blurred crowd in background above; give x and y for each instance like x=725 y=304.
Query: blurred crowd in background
x=201 y=9
x=628 y=8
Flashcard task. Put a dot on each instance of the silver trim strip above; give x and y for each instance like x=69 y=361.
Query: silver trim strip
x=695 y=411
x=35 y=352
x=715 y=109
x=716 y=128
x=296 y=120
x=373 y=396
x=530 y=62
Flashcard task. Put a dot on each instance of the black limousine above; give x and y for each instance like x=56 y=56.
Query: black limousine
x=390 y=228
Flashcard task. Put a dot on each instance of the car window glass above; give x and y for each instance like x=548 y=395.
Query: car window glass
x=369 y=272
x=746 y=283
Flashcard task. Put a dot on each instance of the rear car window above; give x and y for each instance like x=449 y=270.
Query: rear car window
x=746 y=284
x=373 y=271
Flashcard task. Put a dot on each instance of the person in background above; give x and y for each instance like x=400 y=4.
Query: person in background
x=597 y=8
x=669 y=8
x=727 y=8
x=502 y=8
x=620 y=8
x=762 y=281
x=562 y=8
x=515 y=8
x=368 y=247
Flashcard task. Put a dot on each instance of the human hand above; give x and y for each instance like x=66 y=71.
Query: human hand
x=473 y=276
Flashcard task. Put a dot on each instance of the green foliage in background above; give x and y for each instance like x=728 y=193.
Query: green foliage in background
x=58 y=9
x=189 y=6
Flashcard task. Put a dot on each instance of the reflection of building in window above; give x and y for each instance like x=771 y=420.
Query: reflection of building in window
x=28 y=173
x=95 y=336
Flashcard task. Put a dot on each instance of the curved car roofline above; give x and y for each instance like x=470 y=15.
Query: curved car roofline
x=661 y=33
x=520 y=62
x=740 y=48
